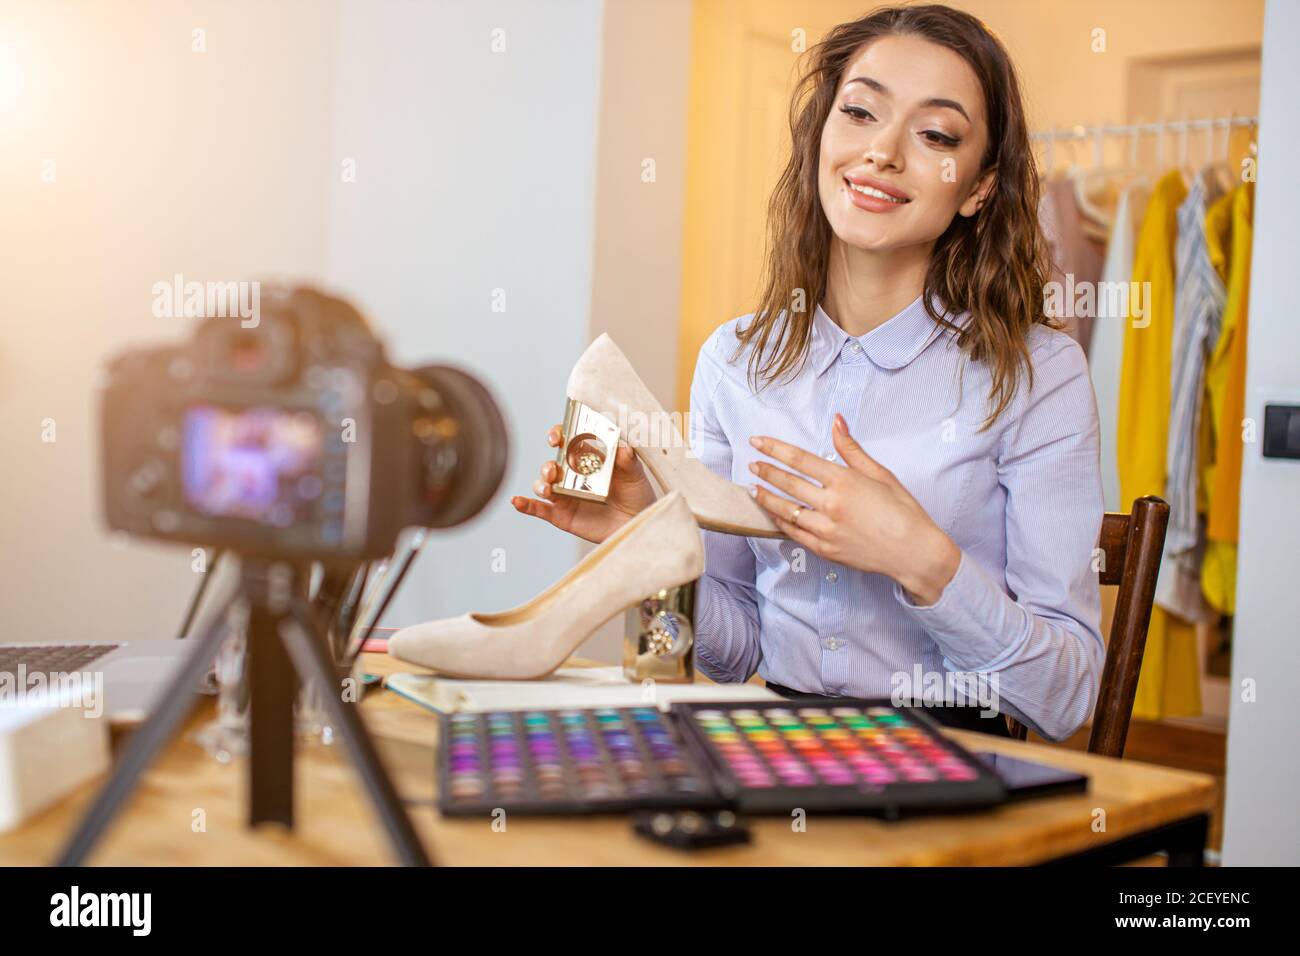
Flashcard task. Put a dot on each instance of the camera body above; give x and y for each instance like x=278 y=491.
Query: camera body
x=294 y=439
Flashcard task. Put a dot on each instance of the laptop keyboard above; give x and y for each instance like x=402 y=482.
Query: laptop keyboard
x=47 y=658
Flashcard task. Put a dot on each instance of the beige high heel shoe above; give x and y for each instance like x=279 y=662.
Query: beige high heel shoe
x=606 y=398
x=659 y=548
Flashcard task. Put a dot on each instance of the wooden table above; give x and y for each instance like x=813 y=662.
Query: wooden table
x=189 y=810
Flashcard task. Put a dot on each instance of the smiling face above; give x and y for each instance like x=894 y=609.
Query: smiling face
x=901 y=147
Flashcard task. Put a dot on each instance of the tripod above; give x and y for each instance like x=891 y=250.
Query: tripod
x=284 y=645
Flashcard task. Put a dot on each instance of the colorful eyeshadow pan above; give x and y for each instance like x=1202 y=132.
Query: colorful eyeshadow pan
x=857 y=756
x=567 y=761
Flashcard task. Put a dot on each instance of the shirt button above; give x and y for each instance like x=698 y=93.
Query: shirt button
x=830 y=456
x=832 y=577
x=832 y=644
x=856 y=347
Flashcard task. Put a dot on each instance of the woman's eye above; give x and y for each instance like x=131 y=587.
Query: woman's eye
x=940 y=139
x=860 y=114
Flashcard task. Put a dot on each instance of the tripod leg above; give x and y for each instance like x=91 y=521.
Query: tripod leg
x=197 y=599
x=273 y=687
x=150 y=737
x=313 y=663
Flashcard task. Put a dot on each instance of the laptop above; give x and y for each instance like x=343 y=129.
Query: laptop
x=120 y=680
x=123 y=680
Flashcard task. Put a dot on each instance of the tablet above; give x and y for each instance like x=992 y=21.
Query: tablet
x=1025 y=780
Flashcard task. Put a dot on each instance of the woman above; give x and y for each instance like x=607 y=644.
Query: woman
x=911 y=420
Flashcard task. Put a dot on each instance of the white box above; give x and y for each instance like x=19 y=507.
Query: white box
x=47 y=750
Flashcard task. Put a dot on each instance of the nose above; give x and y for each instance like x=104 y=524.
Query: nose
x=883 y=150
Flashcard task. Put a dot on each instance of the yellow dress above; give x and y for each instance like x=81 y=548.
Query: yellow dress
x=1169 y=685
x=1225 y=382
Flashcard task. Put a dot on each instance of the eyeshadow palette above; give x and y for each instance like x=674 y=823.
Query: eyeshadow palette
x=590 y=760
x=853 y=756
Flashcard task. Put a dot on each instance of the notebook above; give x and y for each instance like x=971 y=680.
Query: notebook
x=567 y=687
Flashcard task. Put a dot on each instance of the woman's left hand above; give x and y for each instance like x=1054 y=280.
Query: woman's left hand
x=861 y=516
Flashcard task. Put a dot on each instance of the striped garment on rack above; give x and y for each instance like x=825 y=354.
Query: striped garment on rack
x=1199 y=300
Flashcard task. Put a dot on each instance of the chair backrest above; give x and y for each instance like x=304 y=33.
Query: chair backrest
x=1129 y=556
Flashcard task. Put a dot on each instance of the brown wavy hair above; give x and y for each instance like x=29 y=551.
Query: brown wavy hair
x=992 y=264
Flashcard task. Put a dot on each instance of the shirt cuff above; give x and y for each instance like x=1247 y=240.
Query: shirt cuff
x=706 y=621
x=713 y=671
x=974 y=621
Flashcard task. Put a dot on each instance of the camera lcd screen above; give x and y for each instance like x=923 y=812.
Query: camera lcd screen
x=260 y=463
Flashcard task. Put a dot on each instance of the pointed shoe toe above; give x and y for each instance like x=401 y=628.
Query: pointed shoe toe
x=465 y=647
x=433 y=643
x=659 y=548
x=605 y=395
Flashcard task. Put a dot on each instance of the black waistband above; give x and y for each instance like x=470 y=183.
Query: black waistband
x=959 y=718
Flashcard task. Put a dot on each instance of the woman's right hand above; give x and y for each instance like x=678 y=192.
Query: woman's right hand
x=630 y=491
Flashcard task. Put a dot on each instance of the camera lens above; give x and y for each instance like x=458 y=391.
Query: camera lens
x=466 y=445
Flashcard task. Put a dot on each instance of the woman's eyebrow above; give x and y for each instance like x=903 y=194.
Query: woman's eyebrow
x=932 y=101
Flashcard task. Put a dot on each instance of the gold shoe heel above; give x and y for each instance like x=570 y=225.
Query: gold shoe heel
x=604 y=378
x=586 y=453
x=659 y=637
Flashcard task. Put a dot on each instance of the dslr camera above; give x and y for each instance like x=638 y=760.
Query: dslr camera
x=295 y=439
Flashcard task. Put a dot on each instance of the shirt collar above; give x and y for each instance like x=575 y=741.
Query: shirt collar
x=893 y=344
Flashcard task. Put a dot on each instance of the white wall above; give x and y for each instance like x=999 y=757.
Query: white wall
x=474 y=174
x=1261 y=826
x=521 y=171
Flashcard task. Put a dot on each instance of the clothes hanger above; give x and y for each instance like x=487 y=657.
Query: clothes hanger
x=1050 y=164
x=1142 y=179
x=1162 y=129
x=1141 y=176
x=1223 y=165
x=1051 y=173
x=1188 y=174
x=1134 y=174
x=1095 y=191
x=1069 y=145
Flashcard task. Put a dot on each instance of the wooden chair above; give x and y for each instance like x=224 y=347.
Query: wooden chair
x=1131 y=545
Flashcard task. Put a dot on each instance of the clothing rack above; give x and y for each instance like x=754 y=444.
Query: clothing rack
x=1134 y=131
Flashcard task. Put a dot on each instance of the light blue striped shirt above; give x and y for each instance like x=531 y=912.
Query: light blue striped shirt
x=1022 y=500
x=1199 y=300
